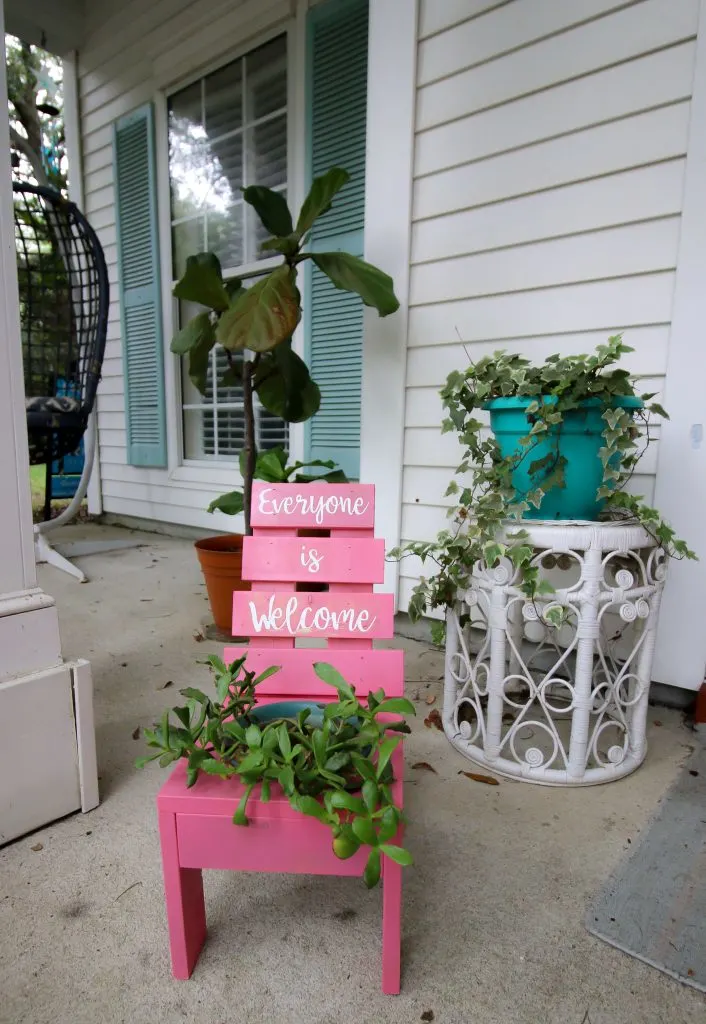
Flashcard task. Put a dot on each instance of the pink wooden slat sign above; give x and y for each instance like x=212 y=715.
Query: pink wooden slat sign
x=314 y=559
x=273 y=613
x=321 y=506
x=364 y=670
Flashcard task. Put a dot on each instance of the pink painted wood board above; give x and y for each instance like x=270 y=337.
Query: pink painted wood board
x=365 y=670
x=313 y=559
x=283 y=614
x=313 y=506
x=296 y=845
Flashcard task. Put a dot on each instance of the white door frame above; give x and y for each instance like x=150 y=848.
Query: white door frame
x=680 y=491
x=392 y=51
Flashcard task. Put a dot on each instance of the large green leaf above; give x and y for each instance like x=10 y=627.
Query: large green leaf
x=200 y=358
x=321 y=193
x=262 y=316
x=192 y=334
x=288 y=246
x=269 y=465
x=202 y=282
x=351 y=274
x=271 y=207
x=231 y=503
x=284 y=386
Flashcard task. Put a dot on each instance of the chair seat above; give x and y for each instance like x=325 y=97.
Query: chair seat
x=44 y=408
x=56 y=421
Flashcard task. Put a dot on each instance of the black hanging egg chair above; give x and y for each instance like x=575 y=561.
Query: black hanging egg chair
x=64 y=296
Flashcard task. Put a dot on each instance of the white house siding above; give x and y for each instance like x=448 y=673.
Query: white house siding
x=132 y=50
x=549 y=164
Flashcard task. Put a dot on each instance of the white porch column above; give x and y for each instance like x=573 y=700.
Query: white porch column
x=23 y=646
x=32 y=672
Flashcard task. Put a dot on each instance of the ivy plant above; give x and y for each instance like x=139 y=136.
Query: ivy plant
x=335 y=767
x=486 y=498
x=255 y=324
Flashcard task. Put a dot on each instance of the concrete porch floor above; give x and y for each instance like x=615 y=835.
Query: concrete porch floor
x=493 y=907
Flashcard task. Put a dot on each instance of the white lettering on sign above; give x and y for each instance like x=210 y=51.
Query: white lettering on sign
x=311 y=559
x=296 y=620
x=310 y=505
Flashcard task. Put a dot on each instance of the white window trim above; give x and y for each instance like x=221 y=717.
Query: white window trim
x=212 y=474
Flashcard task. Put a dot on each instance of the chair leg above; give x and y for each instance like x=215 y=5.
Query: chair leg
x=186 y=911
x=44 y=552
x=48 y=478
x=391 y=926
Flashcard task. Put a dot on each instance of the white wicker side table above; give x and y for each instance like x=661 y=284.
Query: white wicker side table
x=567 y=705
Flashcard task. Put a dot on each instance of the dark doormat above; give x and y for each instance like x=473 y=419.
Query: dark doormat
x=654 y=904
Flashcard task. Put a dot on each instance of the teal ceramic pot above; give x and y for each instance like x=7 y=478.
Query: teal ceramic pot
x=579 y=443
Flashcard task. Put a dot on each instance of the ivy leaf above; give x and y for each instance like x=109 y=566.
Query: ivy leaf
x=202 y=282
x=351 y=274
x=271 y=207
x=262 y=316
x=322 y=191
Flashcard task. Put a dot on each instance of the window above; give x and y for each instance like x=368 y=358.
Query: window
x=227 y=130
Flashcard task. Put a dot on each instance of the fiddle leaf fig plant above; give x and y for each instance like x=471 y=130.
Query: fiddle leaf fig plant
x=486 y=497
x=334 y=765
x=271 y=466
x=257 y=322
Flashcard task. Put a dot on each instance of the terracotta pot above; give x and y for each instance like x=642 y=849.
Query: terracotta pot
x=221 y=561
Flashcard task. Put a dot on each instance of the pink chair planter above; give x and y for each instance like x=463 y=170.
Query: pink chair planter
x=196 y=827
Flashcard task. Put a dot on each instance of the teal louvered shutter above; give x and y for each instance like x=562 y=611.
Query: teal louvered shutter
x=337 y=69
x=139 y=287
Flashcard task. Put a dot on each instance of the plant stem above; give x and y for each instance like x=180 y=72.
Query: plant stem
x=249 y=447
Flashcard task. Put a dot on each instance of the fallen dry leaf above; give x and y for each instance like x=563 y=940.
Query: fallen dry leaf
x=37 y=847
x=136 y=733
x=487 y=779
x=656 y=722
x=427 y=1015
x=198 y=636
x=434 y=719
x=165 y=685
x=690 y=972
x=425 y=767
x=431 y=697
